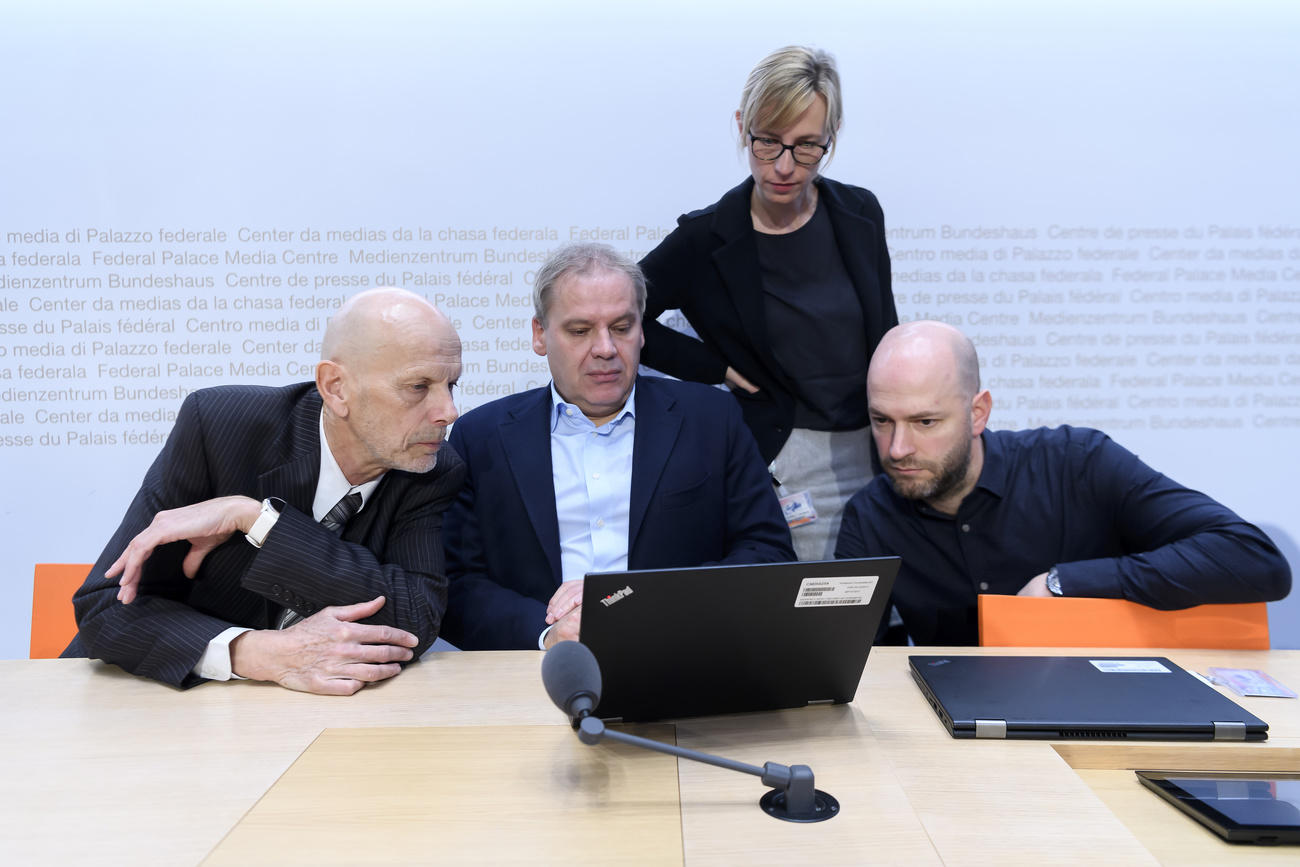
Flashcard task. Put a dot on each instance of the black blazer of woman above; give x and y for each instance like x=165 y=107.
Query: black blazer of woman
x=708 y=269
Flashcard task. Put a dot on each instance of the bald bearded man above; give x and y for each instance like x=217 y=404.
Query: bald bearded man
x=1046 y=512
x=293 y=534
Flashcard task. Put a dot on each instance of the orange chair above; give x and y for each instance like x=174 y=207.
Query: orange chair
x=1027 y=621
x=53 y=623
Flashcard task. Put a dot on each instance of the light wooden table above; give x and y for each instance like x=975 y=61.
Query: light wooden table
x=104 y=768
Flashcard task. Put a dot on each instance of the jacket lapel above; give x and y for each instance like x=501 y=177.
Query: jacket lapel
x=658 y=422
x=736 y=259
x=526 y=438
x=850 y=228
x=295 y=479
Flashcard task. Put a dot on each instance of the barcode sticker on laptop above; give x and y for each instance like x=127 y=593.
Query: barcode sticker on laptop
x=854 y=590
x=1129 y=666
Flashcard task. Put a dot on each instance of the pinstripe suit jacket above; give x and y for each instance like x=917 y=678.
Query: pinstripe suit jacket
x=264 y=442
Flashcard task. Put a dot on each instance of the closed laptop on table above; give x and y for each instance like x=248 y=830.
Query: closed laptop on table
x=723 y=639
x=1062 y=697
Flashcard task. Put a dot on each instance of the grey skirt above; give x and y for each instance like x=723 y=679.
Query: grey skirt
x=831 y=466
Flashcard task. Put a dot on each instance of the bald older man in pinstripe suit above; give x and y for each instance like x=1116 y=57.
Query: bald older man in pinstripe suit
x=252 y=551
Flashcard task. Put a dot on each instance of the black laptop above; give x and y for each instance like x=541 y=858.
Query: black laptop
x=723 y=639
x=1068 y=697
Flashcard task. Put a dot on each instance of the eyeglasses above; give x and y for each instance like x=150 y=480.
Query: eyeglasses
x=769 y=150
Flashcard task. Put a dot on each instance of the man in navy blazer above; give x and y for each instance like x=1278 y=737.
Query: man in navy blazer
x=292 y=534
x=601 y=471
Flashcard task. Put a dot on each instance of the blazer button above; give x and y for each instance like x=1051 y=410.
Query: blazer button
x=275 y=589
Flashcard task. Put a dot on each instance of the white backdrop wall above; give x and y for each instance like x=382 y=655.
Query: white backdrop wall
x=1103 y=195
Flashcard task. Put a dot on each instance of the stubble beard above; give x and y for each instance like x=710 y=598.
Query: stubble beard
x=945 y=477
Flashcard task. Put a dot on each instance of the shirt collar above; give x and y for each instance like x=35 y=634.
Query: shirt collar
x=331 y=484
x=993 y=475
x=569 y=413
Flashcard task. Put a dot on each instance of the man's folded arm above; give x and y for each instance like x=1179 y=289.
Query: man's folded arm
x=158 y=636
x=306 y=567
x=1190 y=549
x=155 y=636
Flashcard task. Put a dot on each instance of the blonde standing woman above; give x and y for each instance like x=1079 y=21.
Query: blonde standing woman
x=786 y=280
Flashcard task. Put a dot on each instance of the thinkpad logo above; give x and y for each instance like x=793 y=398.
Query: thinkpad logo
x=614 y=597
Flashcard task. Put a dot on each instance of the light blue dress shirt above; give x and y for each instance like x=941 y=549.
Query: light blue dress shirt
x=592 y=471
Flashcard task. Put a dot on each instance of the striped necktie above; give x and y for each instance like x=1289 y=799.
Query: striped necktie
x=335 y=520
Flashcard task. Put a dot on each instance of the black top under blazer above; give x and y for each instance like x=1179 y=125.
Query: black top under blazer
x=708 y=269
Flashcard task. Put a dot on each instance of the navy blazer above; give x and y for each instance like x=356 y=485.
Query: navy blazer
x=700 y=494
x=264 y=442
x=708 y=269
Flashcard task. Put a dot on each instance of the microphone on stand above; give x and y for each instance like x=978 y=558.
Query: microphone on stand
x=571 y=676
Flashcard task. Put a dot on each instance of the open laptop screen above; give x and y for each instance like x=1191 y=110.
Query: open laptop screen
x=723 y=639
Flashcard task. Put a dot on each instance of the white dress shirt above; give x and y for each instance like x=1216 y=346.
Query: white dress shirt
x=591 y=468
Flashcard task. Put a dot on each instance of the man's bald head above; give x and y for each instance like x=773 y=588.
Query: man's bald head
x=927 y=412
x=928 y=350
x=389 y=364
x=371 y=324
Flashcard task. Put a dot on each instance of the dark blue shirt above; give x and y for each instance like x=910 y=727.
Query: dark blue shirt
x=1065 y=497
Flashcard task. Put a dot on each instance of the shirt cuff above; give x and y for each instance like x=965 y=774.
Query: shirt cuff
x=1098 y=579
x=214 y=664
x=541 y=639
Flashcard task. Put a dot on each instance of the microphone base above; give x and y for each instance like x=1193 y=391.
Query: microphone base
x=824 y=807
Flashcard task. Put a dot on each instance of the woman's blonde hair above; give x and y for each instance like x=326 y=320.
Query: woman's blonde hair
x=782 y=87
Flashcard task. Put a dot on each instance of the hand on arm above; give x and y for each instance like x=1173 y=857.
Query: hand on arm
x=736 y=382
x=565 y=600
x=204 y=525
x=328 y=653
x=564 y=613
x=567 y=628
